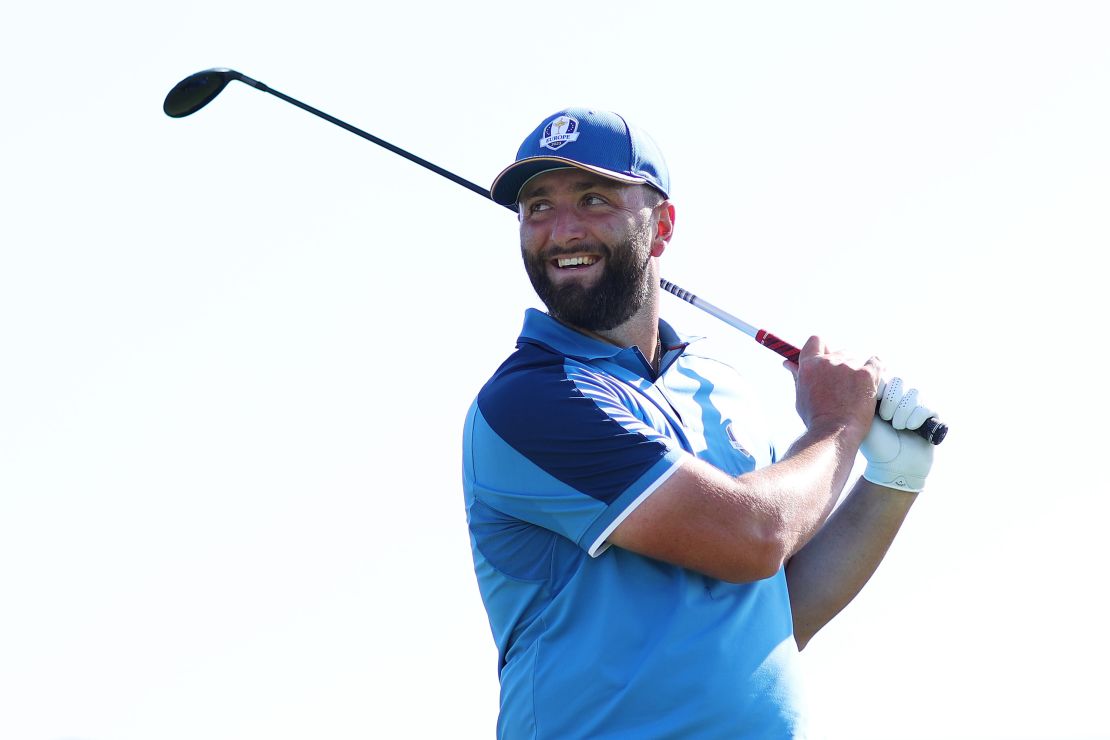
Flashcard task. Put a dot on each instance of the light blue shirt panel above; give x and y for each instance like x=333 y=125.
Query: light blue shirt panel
x=694 y=658
x=721 y=418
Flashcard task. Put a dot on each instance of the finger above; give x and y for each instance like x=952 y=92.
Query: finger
x=892 y=394
x=876 y=366
x=792 y=367
x=919 y=416
x=813 y=347
x=905 y=406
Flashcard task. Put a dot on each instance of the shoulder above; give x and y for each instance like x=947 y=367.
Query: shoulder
x=705 y=357
x=712 y=376
x=536 y=379
x=722 y=365
x=544 y=403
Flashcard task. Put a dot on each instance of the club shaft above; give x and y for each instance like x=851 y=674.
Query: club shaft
x=764 y=337
x=708 y=307
x=932 y=430
x=370 y=137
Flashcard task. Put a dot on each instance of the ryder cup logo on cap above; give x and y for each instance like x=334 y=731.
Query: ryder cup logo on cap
x=562 y=130
x=593 y=140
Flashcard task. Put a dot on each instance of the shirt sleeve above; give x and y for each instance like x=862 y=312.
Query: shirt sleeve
x=562 y=446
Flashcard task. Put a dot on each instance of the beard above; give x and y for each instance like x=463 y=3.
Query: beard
x=613 y=299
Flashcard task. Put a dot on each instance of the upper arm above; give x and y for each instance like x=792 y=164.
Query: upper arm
x=554 y=448
x=705 y=520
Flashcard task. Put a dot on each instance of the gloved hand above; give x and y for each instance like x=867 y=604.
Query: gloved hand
x=897 y=458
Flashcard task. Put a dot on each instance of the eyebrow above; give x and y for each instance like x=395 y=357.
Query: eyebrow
x=578 y=186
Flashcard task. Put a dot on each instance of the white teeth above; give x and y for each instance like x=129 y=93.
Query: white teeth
x=575 y=261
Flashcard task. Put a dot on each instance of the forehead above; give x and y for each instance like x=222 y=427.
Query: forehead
x=569 y=179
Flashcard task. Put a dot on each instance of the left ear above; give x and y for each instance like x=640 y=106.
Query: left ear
x=663 y=216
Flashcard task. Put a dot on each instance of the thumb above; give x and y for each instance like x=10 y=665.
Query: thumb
x=813 y=347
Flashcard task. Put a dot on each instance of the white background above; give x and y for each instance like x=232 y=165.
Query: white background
x=236 y=349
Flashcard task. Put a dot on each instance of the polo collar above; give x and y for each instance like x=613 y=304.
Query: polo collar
x=541 y=329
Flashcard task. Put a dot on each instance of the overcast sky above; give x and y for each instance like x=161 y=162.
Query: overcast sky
x=236 y=349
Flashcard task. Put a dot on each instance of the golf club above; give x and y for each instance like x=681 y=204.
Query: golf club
x=198 y=90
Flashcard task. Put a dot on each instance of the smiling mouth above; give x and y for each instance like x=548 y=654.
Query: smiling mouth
x=565 y=263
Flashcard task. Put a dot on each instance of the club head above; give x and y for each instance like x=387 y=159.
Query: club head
x=197 y=90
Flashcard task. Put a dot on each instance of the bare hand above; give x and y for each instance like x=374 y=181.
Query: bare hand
x=835 y=390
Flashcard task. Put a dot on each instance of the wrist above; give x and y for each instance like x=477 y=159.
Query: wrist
x=848 y=435
x=883 y=476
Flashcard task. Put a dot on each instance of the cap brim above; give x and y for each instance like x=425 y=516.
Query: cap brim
x=506 y=186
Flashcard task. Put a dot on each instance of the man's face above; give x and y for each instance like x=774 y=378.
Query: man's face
x=586 y=243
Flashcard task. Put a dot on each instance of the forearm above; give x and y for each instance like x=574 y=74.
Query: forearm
x=825 y=575
x=806 y=484
x=743 y=528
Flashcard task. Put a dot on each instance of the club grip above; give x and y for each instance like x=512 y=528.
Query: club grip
x=784 y=348
x=932 y=431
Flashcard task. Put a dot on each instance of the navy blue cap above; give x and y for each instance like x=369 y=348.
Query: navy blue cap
x=593 y=140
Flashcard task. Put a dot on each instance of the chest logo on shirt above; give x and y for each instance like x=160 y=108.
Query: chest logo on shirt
x=735 y=442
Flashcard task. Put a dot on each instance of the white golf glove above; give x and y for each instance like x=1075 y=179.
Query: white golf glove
x=897 y=458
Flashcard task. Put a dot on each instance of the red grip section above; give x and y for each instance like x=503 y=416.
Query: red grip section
x=784 y=348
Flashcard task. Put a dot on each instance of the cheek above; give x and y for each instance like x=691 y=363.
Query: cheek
x=531 y=239
x=527 y=249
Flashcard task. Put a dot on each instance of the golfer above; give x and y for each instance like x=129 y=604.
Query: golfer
x=650 y=564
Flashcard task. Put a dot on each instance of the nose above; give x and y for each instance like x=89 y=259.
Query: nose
x=567 y=227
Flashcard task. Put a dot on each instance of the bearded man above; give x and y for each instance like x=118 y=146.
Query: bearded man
x=650 y=564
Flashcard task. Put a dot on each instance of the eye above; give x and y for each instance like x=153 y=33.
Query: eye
x=593 y=200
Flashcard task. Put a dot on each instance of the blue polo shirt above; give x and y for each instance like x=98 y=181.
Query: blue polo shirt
x=564 y=441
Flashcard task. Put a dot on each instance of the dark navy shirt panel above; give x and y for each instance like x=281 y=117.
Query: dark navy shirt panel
x=570 y=421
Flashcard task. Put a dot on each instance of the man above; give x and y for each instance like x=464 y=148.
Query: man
x=650 y=566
